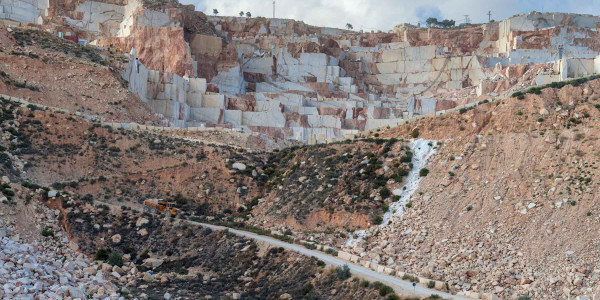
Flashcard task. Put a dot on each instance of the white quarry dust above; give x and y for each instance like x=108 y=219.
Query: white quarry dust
x=422 y=150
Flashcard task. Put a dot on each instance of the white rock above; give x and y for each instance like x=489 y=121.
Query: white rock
x=116 y=238
x=239 y=166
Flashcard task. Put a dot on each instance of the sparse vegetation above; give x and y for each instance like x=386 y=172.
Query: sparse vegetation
x=343 y=272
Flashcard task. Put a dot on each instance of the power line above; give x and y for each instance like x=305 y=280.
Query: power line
x=273 y=9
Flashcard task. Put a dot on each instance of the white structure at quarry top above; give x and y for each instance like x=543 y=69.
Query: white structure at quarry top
x=24 y=11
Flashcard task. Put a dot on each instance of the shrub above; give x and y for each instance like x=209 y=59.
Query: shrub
x=364 y=283
x=524 y=297
x=385 y=289
x=307 y=288
x=410 y=278
x=540 y=120
x=415 y=133
x=435 y=296
x=392 y=296
x=431 y=284
x=384 y=192
x=376 y=220
x=331 y=251
x=424 y=172
x=101 y=254
x=382 y=288
x=343 y=272
x=462 y=110
x=115 y=259
x=47 y=232
x=469 y=207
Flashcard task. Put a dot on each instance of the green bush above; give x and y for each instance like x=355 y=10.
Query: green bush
x=364 y=283
x=307 y=288
x=431 y=284
x=331 y=251
x=376 y=220
x=415 y=133
x=410 y=278
x=47 y=232
x=424 y=172
x=392 y=296
x=384 y=192
x=115 y=259
x=385 y=289
x=101 y=254
x=343 y=272
x=382 y=288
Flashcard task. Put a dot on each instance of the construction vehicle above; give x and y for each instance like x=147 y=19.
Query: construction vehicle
x=160 y=207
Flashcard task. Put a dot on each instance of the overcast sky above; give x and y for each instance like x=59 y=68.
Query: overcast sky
x=384 y=14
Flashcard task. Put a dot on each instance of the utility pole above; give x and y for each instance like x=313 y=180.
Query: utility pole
x=489 y=16
x=467 y=20
x=273 y=9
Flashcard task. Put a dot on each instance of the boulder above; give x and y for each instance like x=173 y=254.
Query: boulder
x=153 y=262
x=116 y=238
x=141 y=222
x=239 y=166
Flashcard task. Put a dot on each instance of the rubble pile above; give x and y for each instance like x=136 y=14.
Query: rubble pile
x=49 y=269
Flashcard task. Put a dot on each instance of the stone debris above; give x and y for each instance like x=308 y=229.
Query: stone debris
x=45 y=269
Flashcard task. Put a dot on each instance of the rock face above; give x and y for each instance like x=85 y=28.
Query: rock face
x=316 y=84
x=366 y=81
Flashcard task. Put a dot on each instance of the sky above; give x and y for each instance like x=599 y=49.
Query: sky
x=384 y=14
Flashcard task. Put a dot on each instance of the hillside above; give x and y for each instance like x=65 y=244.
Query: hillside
x=462 y=159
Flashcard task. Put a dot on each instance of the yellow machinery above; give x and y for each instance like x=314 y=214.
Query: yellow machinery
x=160 y=207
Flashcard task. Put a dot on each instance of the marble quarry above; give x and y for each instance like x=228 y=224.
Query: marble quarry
x=294 y=81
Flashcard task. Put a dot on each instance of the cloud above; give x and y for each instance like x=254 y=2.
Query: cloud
x=384 y=14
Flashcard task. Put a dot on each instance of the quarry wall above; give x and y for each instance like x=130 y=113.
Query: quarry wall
x=288 y=79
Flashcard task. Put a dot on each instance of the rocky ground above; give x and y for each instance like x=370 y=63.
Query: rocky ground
x=36 y=258
x=509 y=205
x=188 y=261
x=69 y=153
x=46 y=70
